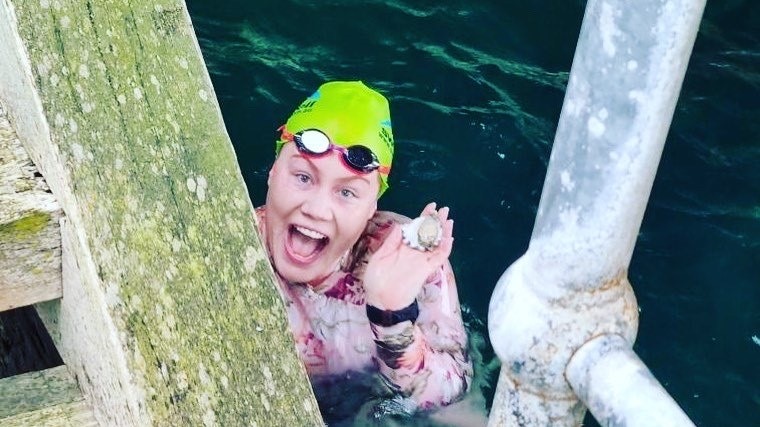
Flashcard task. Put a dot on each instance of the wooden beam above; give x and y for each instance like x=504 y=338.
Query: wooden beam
x=170 y=312
x=44 y=398
x=30 y=238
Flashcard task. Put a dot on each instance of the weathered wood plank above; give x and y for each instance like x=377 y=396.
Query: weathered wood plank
x=170 y=314
x=30 y=240
x=45 y=398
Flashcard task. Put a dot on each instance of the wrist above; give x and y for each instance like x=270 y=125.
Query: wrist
x=389 y=300
x=386 y=318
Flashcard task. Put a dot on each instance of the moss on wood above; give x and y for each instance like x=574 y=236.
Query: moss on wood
x=45 y=398
x=23 y=228
x=159 y=198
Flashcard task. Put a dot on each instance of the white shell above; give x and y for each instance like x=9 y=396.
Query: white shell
x=423 y=233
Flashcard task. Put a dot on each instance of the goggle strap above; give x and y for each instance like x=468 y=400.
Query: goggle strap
x=285 y=135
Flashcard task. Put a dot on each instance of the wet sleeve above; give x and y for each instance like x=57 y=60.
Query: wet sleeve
x=427 y=360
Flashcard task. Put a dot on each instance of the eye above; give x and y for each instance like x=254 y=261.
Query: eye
x=303 y=178
x=348 y=193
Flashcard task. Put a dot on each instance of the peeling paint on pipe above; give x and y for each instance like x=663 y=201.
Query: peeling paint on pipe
x=618 y=388
x=571 y=285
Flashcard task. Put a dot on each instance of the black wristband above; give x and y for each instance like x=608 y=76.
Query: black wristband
x=393 y=317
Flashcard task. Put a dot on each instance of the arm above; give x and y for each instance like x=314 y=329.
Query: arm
x=427 y=360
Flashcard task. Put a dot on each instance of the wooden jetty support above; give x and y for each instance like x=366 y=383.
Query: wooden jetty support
x=124 y=218
x=44 y=398
x=30 y=238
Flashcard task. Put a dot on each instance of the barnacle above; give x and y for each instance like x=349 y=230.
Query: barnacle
x=423 y=233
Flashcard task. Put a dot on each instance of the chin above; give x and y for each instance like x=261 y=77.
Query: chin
x=298 y=274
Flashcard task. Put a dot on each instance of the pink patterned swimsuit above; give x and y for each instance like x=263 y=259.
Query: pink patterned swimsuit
x=426 y=361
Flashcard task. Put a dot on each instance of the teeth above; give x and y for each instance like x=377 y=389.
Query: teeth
x=310 y=233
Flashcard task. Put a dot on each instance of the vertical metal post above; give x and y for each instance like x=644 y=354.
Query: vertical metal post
x=571 y=285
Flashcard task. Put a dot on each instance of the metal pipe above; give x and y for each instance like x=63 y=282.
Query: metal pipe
x=571 y=285
x=618 y=388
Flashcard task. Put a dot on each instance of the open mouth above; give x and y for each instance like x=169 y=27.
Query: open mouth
x=304 y=244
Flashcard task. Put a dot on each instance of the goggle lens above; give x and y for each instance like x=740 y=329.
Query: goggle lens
x=361 y=158
x=314 y=142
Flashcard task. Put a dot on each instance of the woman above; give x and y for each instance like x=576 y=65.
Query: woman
x=358 y=298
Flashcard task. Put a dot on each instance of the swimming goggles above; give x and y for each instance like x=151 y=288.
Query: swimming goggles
x=314 y=143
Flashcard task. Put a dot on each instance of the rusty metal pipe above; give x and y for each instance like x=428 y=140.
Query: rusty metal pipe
x=618 y=388
x=571 y=285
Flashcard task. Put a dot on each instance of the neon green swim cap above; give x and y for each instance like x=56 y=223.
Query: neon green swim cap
x=349 y=113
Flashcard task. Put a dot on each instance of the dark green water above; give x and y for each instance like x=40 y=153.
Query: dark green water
x=476 y=90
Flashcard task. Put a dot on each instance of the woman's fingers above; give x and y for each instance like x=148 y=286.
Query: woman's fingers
x=429 y=209
x=447 y=224
x=443 y=214
x=448 y=228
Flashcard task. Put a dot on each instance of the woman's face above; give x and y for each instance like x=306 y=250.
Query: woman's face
x=316 y=210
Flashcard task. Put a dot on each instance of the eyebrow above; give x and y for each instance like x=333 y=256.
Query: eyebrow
x=360 y=178
x=298 y=155
x=354 y=176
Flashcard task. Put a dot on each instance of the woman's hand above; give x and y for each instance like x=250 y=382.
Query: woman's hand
x=395 y=273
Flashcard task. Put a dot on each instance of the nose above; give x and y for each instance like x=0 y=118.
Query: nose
x=317 y=208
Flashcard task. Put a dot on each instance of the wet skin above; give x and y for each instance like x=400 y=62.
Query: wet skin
x=318 y=208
